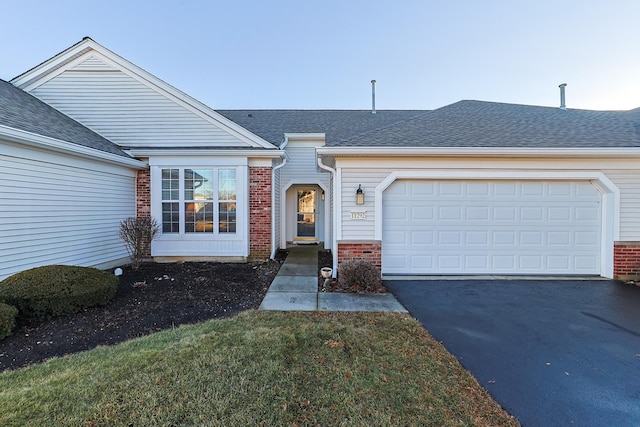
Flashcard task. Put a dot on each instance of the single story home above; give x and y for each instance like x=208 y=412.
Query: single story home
x=88 y=138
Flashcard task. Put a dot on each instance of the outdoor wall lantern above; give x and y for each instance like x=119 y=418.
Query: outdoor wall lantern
x=322 y=195
x=359 y=195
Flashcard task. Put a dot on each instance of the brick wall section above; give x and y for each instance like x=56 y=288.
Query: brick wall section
x=143 y=193
x=143 y=196
x=260 y=212
x=368 y=250
x=626 y=259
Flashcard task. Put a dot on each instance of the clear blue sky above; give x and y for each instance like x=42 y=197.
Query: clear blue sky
x=322 y=54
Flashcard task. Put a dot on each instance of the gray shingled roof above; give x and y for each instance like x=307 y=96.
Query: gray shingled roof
x=337 y=125
x=20 y=110
x=477 y=124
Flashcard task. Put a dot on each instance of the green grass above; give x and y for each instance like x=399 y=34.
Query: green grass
x=259 y=368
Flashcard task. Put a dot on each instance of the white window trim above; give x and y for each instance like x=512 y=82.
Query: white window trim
x=242 y=203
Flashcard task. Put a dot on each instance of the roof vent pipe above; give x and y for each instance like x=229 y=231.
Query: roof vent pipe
x=373 y=96
x=563 y=104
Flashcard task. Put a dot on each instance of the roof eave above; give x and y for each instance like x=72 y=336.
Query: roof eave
x=480 y=151
x=35 y=140
x=151 y=152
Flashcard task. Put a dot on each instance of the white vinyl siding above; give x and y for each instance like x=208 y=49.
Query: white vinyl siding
x=361 y=229
x=301 y=171
x=128 y=112
x=60 y=210
x=372 y=173
x=628 y=181
x=302 y=166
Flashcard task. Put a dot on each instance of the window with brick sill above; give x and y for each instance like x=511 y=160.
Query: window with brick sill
x=199 y=200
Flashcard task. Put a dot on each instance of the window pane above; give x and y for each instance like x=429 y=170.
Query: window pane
x=227 y=184
x=227 y=218
x=170 y=182
x=198 y=184
x=198 y=217
x=170 y=218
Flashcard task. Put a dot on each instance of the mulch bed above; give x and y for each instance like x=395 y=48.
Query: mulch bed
x=156 y=297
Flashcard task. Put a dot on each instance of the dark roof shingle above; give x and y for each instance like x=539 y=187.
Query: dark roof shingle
x=337 y=125
x=20 y=110
x=477 y=124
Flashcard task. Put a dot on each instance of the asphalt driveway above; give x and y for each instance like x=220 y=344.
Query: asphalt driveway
x=551 y=352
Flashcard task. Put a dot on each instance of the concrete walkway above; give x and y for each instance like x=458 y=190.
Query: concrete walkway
x=295 y=288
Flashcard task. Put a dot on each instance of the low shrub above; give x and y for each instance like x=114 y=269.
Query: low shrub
x=137 y=234
x=8 y=315
x=53 y=290
x=359 y=274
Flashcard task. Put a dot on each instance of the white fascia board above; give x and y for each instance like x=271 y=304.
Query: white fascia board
x=171 y=152
x=58 y=145
x=75 y=54
x=479 y=152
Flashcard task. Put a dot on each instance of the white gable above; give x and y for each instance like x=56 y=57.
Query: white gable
x=93 y=63
x=127 y=105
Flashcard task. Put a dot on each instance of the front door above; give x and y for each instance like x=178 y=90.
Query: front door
x=306 y=215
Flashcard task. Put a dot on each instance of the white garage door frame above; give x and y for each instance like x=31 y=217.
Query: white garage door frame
x=610 y=197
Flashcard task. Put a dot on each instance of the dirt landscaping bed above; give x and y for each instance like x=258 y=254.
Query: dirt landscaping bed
x=156 y=297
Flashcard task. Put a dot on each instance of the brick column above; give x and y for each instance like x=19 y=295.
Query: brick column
x=626 y=259
x=143 y=193
x=143 y=196
x=260 y=215
x=367 y=250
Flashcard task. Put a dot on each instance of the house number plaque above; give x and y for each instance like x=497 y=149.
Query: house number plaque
x=359 y=215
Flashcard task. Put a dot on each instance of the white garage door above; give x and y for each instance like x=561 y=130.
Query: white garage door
x=491 y=227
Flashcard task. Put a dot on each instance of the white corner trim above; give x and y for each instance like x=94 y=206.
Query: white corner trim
x=610 y=197
x=332 y=196
x=274 y=238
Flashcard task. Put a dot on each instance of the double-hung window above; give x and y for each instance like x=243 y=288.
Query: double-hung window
x=199 y=200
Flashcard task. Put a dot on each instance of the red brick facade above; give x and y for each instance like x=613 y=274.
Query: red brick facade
x=143 y=193
x=368 y=250
x=260 y=214
x=626 y=259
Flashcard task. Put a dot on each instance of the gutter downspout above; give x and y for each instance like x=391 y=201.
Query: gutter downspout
x=273 y=196
x=334 y=219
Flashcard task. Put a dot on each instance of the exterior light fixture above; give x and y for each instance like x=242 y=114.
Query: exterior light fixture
x=322 y=195
x=359 y=195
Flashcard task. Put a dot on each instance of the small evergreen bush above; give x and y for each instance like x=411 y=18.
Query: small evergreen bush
x=53 y=290
x=8 y=315
x=359 y=274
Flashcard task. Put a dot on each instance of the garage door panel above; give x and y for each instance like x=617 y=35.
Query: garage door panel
x=532 y=213
x=484 y=227
x=421 y=238
x=397 y=213
x=531 y=262
x=476 y=238
x=587 y=213
x=476 y=262
x=531 y=189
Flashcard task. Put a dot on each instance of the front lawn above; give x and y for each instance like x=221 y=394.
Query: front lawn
x=258 y=368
